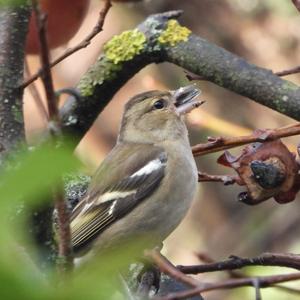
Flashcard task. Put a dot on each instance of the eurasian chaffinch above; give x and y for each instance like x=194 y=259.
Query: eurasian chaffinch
x=146 y=184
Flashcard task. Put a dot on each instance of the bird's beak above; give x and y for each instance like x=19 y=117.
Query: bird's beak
x=185 y=99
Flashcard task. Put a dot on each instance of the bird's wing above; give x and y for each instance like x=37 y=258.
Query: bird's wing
x=117 y=189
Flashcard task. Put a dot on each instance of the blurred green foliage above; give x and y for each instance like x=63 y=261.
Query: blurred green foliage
x=28 y=178
x=13 y=2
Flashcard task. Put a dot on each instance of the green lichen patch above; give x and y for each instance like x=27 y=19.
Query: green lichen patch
x=289 y=86
x=101 y=71
x=125 y=46
x=174 y=33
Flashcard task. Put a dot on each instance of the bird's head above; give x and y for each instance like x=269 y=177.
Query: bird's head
x=156 y=116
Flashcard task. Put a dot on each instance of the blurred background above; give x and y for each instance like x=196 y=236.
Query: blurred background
x=266 y=33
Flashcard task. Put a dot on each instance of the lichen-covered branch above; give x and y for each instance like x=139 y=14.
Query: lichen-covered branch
x=236 y=74
x=124 y=55
x=161 y=38
x=13 y=29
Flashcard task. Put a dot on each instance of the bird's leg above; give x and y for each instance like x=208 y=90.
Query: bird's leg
x=149 y=276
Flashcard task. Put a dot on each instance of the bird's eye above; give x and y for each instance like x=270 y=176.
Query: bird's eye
x=159 y=104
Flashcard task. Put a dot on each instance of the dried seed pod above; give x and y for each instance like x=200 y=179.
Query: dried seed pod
x=268 y=174
x=267 y=170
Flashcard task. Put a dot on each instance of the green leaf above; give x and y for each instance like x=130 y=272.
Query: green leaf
x=28 y=178
x=32 y=174
x=13 y=3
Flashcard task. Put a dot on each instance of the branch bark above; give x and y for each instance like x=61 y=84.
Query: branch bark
x=194 y=54
x=13 y=30
x=199 y=287
x=262 y=281
x=234 y=263
x=225 y=143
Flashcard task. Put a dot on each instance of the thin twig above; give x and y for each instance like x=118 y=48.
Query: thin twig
x=200 y=287
x=238 y=274
x=226 y=179
x=204 y=257
x=44 y=56
x=297 y=4
x=65 y=261
x=83 y=44
x=266 y=259
x=223 y=143
x=264 y=281
x=294 y=70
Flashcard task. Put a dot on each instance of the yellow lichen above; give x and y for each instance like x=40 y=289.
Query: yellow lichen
x=125 y=46
x=174 y=33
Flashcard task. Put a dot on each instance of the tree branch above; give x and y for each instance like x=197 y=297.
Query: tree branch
x=156 y=40
x=12 y=43
x=234 y=73
x=263 y=281
x=224 y=143
x=200 y=287
x=226 y=179
x=266 y=259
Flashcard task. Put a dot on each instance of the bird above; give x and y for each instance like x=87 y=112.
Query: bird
x=146 y=184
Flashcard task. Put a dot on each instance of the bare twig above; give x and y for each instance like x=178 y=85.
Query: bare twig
x=223 y=143
x=83 y=44
x=204 y=257
x=44 y=56
x=297 y=4
x=226 y=179
x=238 y=274
x=257 y=282
x=264 y=281
x=294 y=70
x=65 y=261
x=266 y=259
